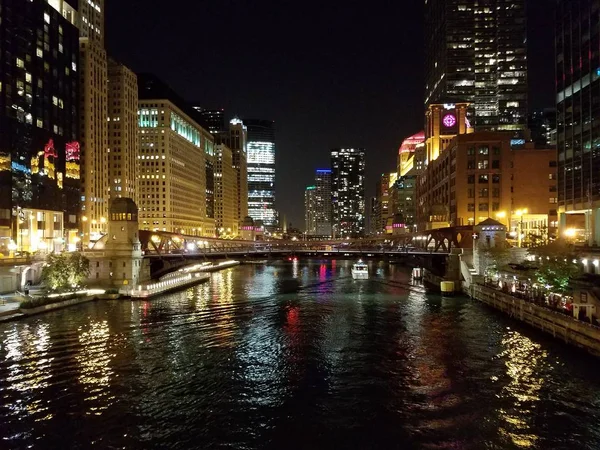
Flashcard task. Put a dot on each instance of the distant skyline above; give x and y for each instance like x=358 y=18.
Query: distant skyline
x=329 y=74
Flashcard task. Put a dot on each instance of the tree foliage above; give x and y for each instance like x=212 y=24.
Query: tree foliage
x=494 y=258
x=65 y=270
x=555 y=266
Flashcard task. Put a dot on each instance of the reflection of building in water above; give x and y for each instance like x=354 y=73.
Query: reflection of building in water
x=523 y=360
x=27 y=350
x=95 y=372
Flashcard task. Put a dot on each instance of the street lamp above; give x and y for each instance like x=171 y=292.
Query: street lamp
x=520 y=213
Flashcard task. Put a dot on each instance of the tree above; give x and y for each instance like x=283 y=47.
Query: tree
x=494 y=258
x=65 y=270
x=556 y=266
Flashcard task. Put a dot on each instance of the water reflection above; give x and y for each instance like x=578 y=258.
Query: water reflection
x=292 y=355
x=28 y=361
x=523 y=359
x=95 y=372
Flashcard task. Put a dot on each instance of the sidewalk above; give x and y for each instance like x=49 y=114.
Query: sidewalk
x=9 y=303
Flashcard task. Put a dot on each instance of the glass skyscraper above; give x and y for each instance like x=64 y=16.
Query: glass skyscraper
x=578 y=116
x=261 y=170
x=476 y=52
x=348 y=192
x=39 y=121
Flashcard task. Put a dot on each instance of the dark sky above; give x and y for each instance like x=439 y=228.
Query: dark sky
x=330 y=73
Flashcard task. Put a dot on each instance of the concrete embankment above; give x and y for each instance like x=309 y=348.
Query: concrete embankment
x=560 y=326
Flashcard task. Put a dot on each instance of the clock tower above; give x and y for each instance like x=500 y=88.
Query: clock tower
x=443 y=122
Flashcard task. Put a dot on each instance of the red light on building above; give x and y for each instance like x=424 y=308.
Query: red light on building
x=49 y=150
x=72 y=151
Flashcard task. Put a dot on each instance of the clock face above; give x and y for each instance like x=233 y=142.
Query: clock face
x=449 y=120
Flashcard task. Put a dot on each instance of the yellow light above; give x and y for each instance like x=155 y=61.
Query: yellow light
x=84 y=219
x=102 y=219
x=570 y=232
x=501 y=214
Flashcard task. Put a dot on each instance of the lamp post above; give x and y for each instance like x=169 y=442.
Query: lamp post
x=520 y=213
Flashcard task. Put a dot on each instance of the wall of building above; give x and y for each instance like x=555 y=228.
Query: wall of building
x=225 y=192
x=123 y=136
x=172 y=170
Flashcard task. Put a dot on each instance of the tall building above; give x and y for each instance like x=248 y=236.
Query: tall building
x=91 y=20
x=323 y=202
x=578 y=115
x=123 y=137
x=212 y=120
x=93 y=75
x=476 y=52
x=235 y=138
x=310 y=217
x=225 y=192
x=348 y=192
x=261 y=171
x=481 y=176
x=382 y=192
x=542 y=126
x=406 y=153
x=39 y=126
x=173 y=154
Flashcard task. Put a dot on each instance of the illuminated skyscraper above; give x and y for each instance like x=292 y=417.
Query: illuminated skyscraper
x=578 y=117
x=123 y=138
x=39 y=125
x=348 y=192
x=173 y=154
x=323 y=202
x=261 y=171
x=310 y=220
x=476 y=52
x=93 y=110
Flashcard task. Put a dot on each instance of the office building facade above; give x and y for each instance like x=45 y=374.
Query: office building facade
x=477 y=53
x=578 y=115
x=123 y=137
x=94 y=126
x=310 y=216
x=226 y=224
x=348 y=192
x=261 y=171
x=323 y=202
x=480 y=176
x=172 y=170
x=39 y=125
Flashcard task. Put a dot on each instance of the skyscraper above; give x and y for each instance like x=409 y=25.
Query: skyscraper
x=476 y=52
x=310 y=219
x=225 y=192
x=323 y=202
x=261 y=171
x=93 y=109
x=173 y=154
x=123 y=138
x=578 y=115
x=348 y=192
x=39 y=136
x=212 y=120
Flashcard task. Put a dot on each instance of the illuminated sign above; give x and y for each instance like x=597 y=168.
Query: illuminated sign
x=449 y=106
x=514 y=142
x=449 y=120
x=72 y=151
x=49 y=150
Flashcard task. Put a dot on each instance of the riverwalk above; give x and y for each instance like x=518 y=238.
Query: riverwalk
x=561 y=326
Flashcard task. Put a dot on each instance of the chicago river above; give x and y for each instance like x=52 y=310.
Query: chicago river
x=294 y=354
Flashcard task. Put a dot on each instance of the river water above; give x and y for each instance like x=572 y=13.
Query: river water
x=293 y=355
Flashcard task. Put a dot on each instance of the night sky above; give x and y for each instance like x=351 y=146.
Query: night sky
x=329 y=73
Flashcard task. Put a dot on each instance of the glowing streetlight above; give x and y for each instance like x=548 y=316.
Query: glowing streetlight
x=520 y=213
x=570 y=232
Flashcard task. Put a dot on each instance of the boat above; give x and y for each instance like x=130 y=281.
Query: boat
x=360 y=271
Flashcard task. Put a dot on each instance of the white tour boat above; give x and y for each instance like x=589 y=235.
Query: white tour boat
x=360 y=271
